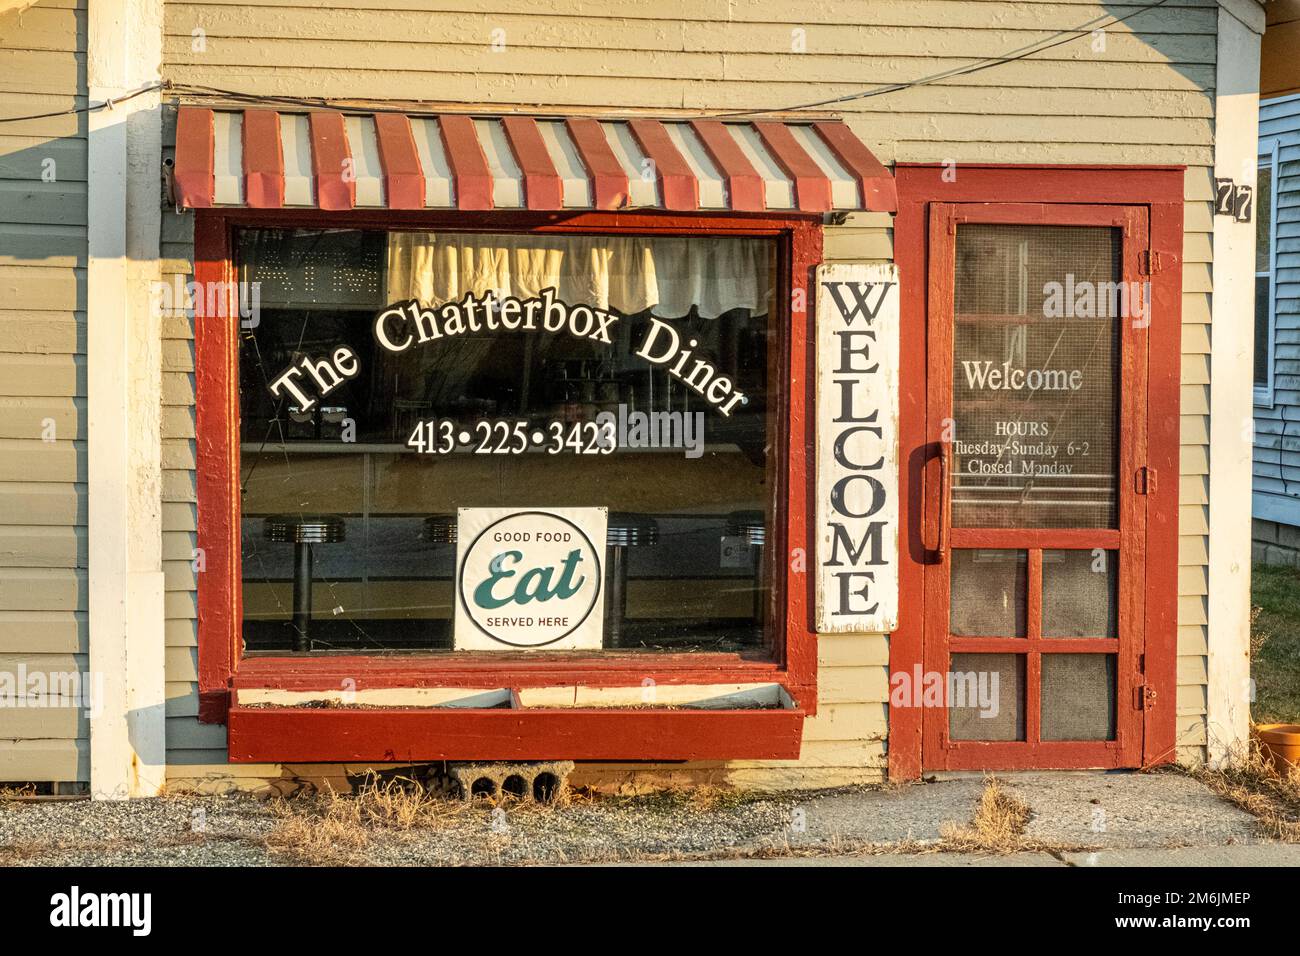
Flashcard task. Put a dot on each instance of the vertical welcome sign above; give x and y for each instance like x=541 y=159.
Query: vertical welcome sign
x=857 y=448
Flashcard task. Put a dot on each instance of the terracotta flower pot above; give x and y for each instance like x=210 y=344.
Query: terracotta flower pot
x=1280 y=743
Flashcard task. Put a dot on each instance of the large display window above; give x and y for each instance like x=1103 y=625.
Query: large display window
x=517 y=485
x=391 y=378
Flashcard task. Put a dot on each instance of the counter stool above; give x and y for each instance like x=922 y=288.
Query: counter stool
x=624 y=530
x=751 y=527
x=303 y=531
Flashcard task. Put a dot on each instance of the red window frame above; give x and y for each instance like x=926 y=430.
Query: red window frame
x=222 y=670
x=1159 y=190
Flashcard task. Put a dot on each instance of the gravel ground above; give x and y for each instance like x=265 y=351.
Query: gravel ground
x=1088 y=811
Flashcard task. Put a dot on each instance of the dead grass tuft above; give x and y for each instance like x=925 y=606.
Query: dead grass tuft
x=330 y=828
x=998 y=825
x=1269 y=793
x=21 y=792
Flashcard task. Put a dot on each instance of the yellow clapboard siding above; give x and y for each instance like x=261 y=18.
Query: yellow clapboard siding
x=181 y=664
x=1192 y=549
x=852 y=650
x=1191 y=730
x=1192 y=669
x=42 y=546
x=43 y=589
x=853 y=684
x=847 y=722
x=648 y=31
x=179 y=516
x=182 y=632
x=23 y=459
x=42 y=375
x=1191 y=699
x=1191 y=610
x=45 y=632
x=1192 y=639
x=42 y=503
x=42 y=418
x=58 y=760
x=1194 y=490
x=1193 y=580
x=57 y=721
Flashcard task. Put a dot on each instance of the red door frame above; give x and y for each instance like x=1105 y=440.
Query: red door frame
x=938 y=751
x=1159 y=190
x=220 y=663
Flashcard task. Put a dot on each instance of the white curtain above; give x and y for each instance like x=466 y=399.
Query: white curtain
x=628 y=274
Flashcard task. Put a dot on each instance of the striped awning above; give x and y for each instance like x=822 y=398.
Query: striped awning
x=266 y=159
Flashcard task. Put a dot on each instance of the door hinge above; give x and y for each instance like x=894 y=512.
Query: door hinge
x=1148 y=262
x=1145 y=481
x=1144 y=697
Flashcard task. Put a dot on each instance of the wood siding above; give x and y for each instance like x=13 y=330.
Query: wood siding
x=1277 y=425
x=1146 y=98
x=43 y=383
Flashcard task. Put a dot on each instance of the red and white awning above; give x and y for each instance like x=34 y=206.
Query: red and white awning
x=328 y=160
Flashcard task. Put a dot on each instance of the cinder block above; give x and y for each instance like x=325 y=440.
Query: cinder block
x=1288 y=536
x=542 y=782
x=1266 y=531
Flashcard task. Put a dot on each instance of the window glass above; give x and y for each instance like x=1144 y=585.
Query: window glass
x=1263 y=273
x=386 y=381
x=1036 y=375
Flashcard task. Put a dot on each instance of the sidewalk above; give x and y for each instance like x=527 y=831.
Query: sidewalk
x=1073 y=819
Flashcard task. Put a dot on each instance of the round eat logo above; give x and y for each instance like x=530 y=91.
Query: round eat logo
x=530 y=579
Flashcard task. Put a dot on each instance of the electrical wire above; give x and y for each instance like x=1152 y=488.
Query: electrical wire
x=1057 y=39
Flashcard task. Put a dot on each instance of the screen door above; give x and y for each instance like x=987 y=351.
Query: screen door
x=1034 y=517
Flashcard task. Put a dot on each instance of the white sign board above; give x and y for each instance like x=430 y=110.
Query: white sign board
x=530 y=579
x=857 y=448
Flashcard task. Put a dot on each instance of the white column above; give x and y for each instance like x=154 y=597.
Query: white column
x=1232 y=334
x=123 y=399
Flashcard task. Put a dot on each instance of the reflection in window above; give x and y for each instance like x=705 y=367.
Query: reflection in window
x=689 y=487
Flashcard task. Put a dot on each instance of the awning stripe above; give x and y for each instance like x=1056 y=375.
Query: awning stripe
x=331 y=162
x=610 y=181
x=263 y=158
x=542 y=186
x=812 y=188
x=679 y=189
x=328 y=160
x=469 y=168
x=744 y=184
x=878 y=190
x=195 y=147
x=403 y=177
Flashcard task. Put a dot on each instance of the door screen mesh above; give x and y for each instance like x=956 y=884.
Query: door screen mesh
x=1035 y=375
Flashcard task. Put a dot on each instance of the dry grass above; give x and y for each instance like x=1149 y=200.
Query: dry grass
x=22 y=792
x=998 y=825
x=332 y=828
x=1270 y=795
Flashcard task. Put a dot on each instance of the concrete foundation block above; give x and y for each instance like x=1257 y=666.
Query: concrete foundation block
x=539 y=782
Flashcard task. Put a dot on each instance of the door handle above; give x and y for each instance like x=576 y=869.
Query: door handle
x=945 y=489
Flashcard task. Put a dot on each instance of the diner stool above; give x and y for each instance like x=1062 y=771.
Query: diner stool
x=751 y=527
x=303 y=531
x=624 y=530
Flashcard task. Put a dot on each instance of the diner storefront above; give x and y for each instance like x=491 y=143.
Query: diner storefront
x=689 y=444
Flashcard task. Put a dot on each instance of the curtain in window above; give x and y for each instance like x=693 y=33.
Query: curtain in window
x=627 y=274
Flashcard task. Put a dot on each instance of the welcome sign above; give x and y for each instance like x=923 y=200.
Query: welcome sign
x=529 y=579
x=857 y=448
